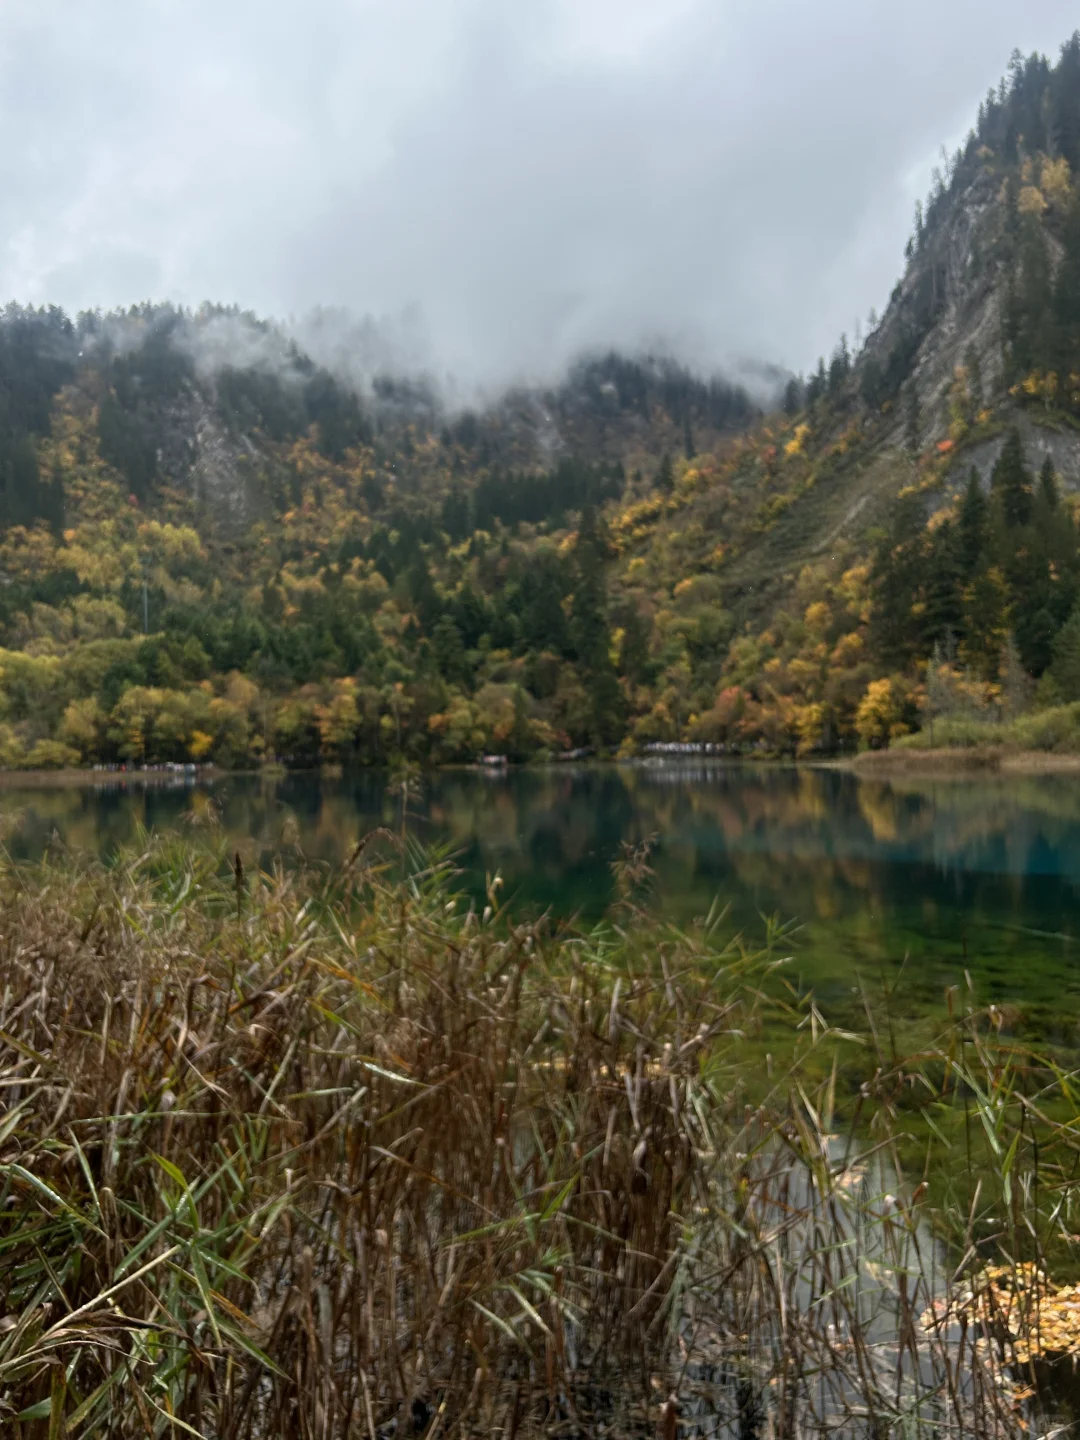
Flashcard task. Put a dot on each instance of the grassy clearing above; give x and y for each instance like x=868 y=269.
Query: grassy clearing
x=331 y=1154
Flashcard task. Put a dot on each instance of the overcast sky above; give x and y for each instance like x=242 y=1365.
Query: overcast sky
x=516 y=178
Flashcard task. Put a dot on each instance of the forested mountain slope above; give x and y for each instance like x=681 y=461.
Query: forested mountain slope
x=212 y=546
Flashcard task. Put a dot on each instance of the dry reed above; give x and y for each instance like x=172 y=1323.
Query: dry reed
x=326 y=1154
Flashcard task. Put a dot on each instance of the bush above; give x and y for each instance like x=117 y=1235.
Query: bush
x=1054 y=729
x=51 y=755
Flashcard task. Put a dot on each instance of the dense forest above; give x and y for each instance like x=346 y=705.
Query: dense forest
x=250 y=557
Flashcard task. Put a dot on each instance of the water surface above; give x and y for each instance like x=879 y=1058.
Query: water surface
x=905 y=883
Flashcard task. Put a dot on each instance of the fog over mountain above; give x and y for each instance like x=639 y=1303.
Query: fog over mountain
x=500 y=185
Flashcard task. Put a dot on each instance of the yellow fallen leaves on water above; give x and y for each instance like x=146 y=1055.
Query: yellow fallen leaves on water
x=1017 y=1305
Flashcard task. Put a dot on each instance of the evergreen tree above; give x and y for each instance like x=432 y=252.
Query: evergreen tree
x=986 y=622
x=972 y=525
x=543 y=620
x=634 y=660
x=1066 y=664
x=1048 y=490
x=1066 y=304
x=973 y=366
x=944 y=580
x=897 y=578
x=665 y=475
x=448 y=651
x=1017 y=689
x=590 y=632
x=818 y=384
x=839 y=367
x=1028 y=309
x=455 y=514
x=912 y=418
x=423 y=594
x=1011 y=482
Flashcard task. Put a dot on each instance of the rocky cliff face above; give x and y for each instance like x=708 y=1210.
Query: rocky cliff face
x=947 y=309
x=947 y=315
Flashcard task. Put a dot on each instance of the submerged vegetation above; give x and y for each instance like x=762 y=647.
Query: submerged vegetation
x=331 y=1152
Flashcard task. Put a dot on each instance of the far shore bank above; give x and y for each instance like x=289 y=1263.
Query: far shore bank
x=970 y=761
x=84 y=777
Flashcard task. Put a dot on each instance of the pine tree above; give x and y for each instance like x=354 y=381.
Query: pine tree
x=1066 y=303
x=938 y=688
x=448 y=651
x=1011 y=482
x=665 y=475
x=972 y=524
x=590 y=632
x=1066 y=664
x=1030 y=304
x=986 y=622
x=817 y=384
x=839 y=367
x=455 y=513
x=543 y=620
x=945 y=576
x=1048 y=491
x=912 y=418
x=898 y=574
x=973 y=366
x=634 y=650
x=1017 y=689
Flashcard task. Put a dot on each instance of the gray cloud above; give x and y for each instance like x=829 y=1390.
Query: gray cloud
x=530 y=178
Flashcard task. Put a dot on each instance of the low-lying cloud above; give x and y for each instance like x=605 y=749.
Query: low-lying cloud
x=498 y=185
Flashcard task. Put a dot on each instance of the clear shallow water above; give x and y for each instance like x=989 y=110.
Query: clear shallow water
x=901 y=882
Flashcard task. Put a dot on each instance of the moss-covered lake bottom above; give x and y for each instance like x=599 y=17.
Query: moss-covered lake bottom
x=900 y=886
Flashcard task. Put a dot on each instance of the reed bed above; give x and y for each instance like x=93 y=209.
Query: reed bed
x=313 y=1153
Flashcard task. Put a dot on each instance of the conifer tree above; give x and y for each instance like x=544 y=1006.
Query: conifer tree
x=634 y=650
x=448 y=651
x=912 y=418
x=973 y=366
x=972 y=524
x=1048 y=491
x=1016 y=684
x=590 y=632
x=1066 y=664
x=1011 y=482
x=1066 y=306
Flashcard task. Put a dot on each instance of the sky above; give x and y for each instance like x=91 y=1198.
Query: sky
x=500 y=184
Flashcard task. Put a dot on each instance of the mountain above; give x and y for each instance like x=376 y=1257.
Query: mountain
x=212 y=546
x=219 y=539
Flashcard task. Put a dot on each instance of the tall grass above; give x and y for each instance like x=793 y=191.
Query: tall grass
x=336 y=1154
x=1055 y=729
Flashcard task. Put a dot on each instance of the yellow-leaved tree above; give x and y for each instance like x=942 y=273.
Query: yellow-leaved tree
x=878 y=715
x=339 y=719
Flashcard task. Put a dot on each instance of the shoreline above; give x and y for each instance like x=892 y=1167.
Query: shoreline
x=960 y=762
x=97 y=779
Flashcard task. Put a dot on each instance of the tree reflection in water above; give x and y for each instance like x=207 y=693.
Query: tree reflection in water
x=943 y=874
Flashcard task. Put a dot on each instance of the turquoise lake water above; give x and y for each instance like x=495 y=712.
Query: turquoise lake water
x=901 y=883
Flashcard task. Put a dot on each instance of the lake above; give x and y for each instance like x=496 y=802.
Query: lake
x=901 y=883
